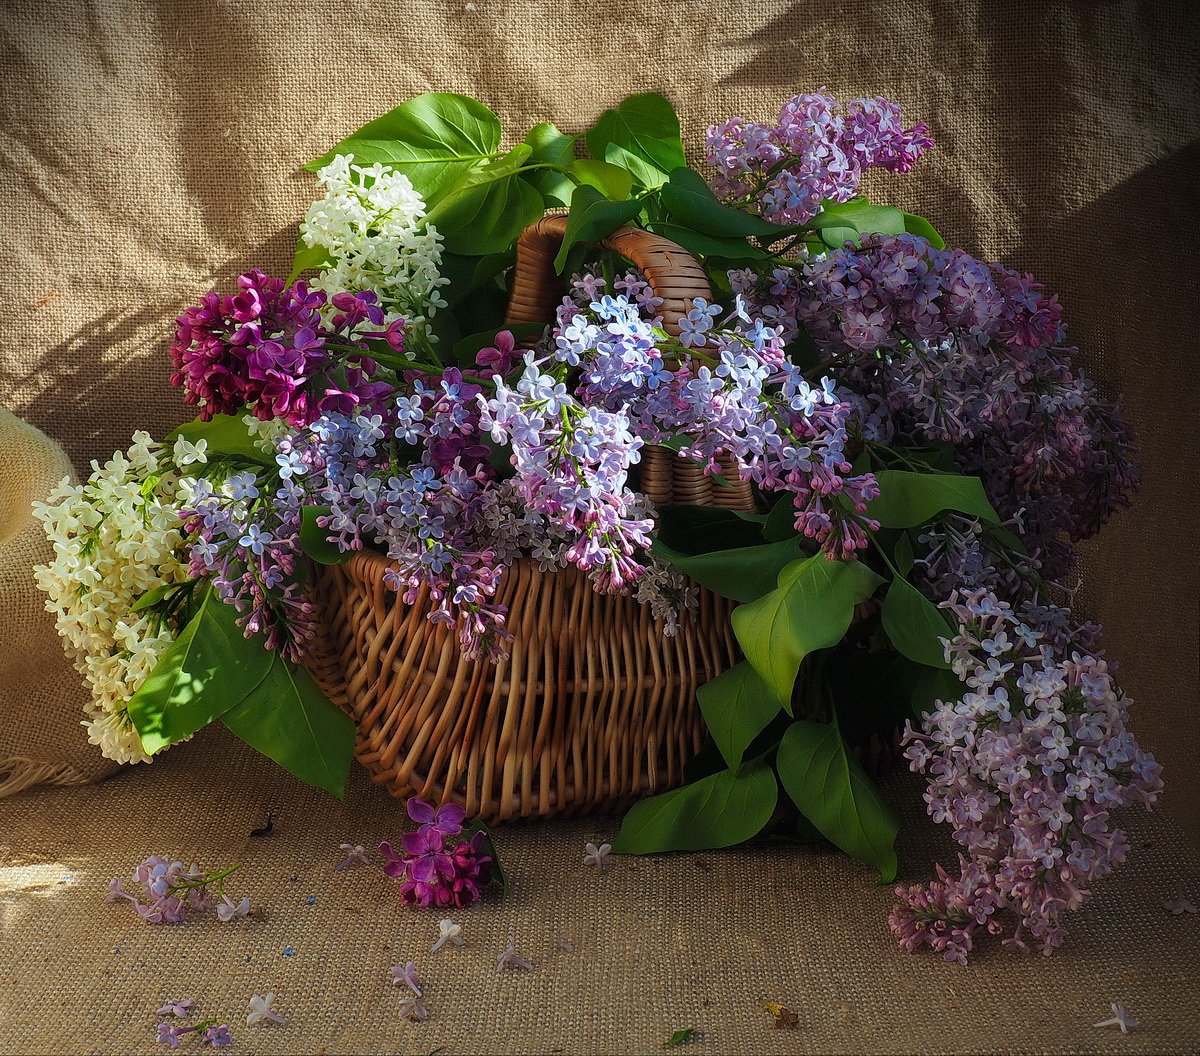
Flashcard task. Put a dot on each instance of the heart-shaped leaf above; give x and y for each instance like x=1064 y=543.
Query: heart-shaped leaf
x=549 y=146
x=227 y=436
x=737 y=706
x=613 y=181
x=287 y=718
x=692 y=204
x=718 y=811
x=830 y=788
x=743 y=574
x=432 y=138
x=314 y=540
x=864 y=219
x=592 y=218
x=810 y=609
x=908 y=499
x=914 y=624
x=641 y=134
x=487 y=207
x=918 y=225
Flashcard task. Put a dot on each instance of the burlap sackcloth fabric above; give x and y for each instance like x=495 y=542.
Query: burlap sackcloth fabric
x=41 y=696
x=652 y=945
x=151 y=150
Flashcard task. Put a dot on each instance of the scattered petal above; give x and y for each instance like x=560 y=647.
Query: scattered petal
x=310 y=900
x=413 y=1008
x=182 y=1009
x=448 y=932
x=1179 y=904
x=1120 y=1018
x=406 y=975
x=218 y=1036
x=289 y=951
x=261 y=1010
x=600 y=857
x=509 y=958
x=354 y=854
x=228 y=909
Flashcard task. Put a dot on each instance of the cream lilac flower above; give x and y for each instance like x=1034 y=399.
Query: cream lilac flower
x=448 y=932
x=370 y=223
x=262 y=1010
x=510 y=958
x=1120 y=1018
x=228 y=909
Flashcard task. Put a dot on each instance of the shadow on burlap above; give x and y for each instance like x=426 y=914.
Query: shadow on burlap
x=658 y=944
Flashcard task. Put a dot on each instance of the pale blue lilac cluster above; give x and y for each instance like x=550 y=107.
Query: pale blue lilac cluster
x=942 y=347
x=164 y=891
x=268 y=349
x=244 y=533
x=724 y=388
x=439 y=865
x=816 y=152
x=1027 y=769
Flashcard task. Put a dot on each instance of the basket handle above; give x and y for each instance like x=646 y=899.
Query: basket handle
x=672 y=272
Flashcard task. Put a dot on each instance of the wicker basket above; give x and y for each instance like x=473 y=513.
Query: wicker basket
x=594 y=705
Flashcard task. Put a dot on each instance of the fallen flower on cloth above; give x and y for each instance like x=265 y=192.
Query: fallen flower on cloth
x=164 y=891
x=406 y=975
x=600 y=857
x=355 y=854
x=439 y=864
x=261 y=1010
x=229 y=910
x=448 y=932
x=1179 y=904
x=785 y=1018
x=181 y=1009
x=211 y=1033
x=413 y=1008
x=509 y=958
x=1120 y=1018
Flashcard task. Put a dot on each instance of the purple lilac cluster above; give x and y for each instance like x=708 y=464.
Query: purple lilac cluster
x=210 y=1031
x=268 y=349
x=245 y=542
x=438 y=865
x=1027 y=768
x=816 y=152
x=163 y=891
x=727 y=386
x=942 y=347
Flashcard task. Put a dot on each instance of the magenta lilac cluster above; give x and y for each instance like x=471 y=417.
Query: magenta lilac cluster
x=1028 y=769
x=164 y=891
x=438 y=865
x=268 y=348
x=816 y=152
x=943 y=348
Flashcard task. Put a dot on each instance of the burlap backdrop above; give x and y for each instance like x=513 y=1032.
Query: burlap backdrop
x=151 y=151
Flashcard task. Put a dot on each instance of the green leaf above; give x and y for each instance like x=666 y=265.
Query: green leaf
x=467 y=273
x=314 y=540
x=487 y=207
x=908 y=499
x=781 y=521
x=903 y=554
x=705 y=246
x=613 y=181
x=718 y=811
x=832 y=791
x=432 y=138
x=932 y=685
x=678 y=1037
x=865 y=219
x=153 y=596
x=692 y=204
x=287 y=718
x=592 y=218
x=640 y=134
x=227 y=437
x=308 y=258
x=918 y=225
x=550 y=147
x=204 y=672
x=737 y=706
x=702 y=529
x=914 y=624
x=743 y=574
x=810 y=609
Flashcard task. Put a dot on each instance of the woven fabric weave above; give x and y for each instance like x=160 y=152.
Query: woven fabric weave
x=657 y=944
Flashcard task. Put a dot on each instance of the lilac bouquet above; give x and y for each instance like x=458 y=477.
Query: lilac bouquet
x=923 y=450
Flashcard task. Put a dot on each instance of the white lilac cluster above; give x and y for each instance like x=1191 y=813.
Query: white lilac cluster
x=115 y=537
x=370 y=224
x=1028 y=768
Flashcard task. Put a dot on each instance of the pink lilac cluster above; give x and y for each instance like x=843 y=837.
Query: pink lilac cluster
x=438 y=865
x=163 y=891
x=244 y=535
x=816 y=152
x=1028 y=769
x=943 y=348
x=267 y=348
x=728 y=387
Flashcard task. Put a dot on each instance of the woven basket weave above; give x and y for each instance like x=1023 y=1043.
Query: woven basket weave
x=594 y=705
